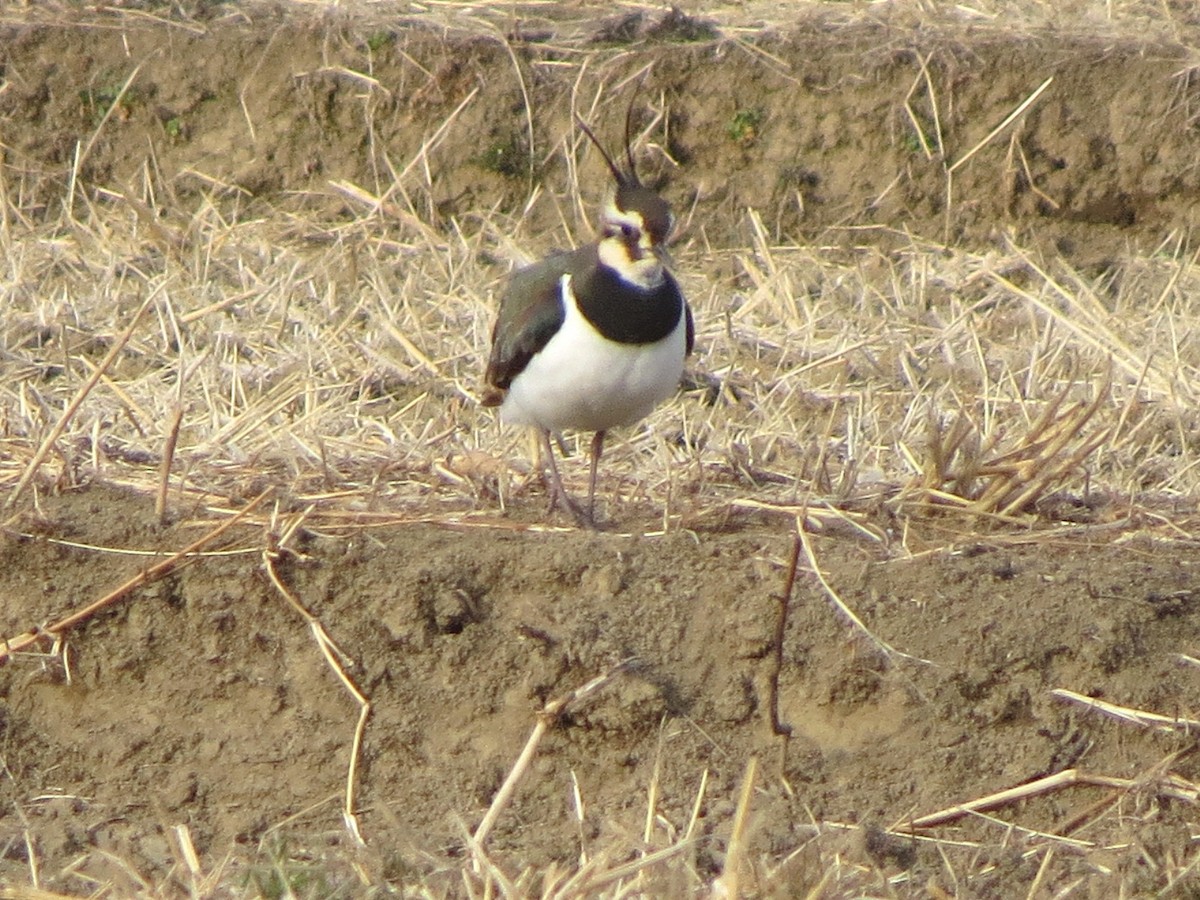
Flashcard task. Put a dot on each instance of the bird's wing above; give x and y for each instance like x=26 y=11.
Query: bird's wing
x=531 y=311
x=691 y=328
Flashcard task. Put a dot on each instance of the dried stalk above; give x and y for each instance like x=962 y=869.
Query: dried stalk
x=726 y=885
x=549 y=714
x=1130 y=715
x=158 y=570
x=86 y=388
x=1049 y=784
x=337 y=660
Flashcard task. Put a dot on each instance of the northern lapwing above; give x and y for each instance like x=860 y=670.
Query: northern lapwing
x=593 y=338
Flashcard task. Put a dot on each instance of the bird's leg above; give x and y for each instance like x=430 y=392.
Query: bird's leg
x=553 y=482
x=558 y=493
x=597 y=449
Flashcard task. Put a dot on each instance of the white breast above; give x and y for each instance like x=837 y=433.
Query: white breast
x=582 y=380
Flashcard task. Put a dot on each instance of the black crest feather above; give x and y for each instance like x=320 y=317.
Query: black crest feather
x=628 y=178
x=631 y=194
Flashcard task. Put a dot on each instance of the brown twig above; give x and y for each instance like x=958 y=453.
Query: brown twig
x=164 y=467
x=785 y=599
x=187 y=555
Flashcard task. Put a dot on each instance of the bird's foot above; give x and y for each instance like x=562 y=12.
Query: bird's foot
x=560 y=499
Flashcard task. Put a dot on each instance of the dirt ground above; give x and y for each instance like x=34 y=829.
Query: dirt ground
x=203 y=700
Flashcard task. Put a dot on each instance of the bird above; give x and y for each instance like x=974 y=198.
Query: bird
x=594 y=338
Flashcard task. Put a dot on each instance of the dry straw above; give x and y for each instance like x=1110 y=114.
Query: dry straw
x=296 y=349
x=231 y=343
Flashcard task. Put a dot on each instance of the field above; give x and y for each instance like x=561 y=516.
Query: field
x=897 y=597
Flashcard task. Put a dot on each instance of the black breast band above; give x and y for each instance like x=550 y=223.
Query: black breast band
x=623 y=312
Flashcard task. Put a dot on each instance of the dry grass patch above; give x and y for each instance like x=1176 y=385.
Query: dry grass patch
x=338 y=357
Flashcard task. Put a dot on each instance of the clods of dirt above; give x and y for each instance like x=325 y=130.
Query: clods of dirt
x=202 y=699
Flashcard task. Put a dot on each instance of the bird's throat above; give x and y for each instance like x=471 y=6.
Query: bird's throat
x=644 y=271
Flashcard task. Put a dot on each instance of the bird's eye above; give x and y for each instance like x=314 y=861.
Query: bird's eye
x=628 y=230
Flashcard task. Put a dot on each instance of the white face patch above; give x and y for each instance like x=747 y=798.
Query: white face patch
x=646 y=272
x=615 y=251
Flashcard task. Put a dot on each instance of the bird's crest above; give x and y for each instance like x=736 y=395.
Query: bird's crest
x=627 y=178
x=631 y=195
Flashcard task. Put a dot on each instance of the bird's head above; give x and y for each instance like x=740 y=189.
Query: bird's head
x=635 y=222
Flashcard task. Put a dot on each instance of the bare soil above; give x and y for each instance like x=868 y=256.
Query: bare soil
x=203 y=700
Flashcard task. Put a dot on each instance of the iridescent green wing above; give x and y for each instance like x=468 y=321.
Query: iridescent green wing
x=531 y=311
